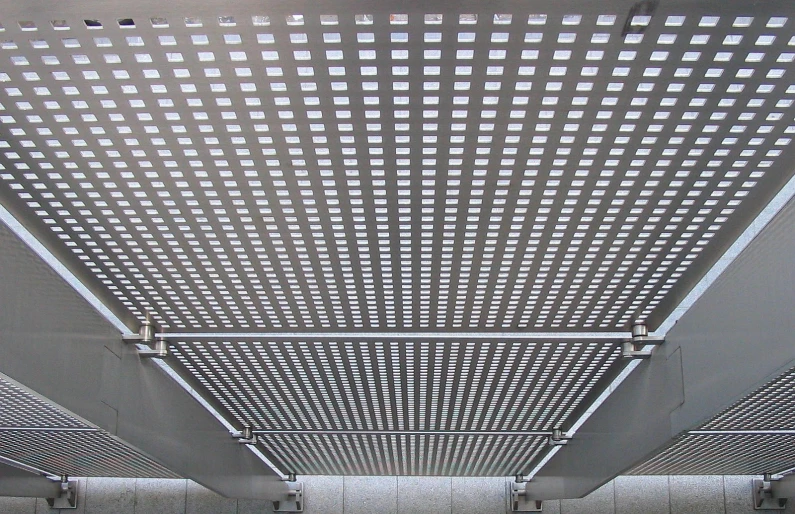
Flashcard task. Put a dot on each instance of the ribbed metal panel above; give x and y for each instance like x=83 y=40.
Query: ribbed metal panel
x=723 y=454
x=443 y=455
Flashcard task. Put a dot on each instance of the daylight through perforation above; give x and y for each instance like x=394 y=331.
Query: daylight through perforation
x=277 y=385
x=424 y=455
x=448 y=170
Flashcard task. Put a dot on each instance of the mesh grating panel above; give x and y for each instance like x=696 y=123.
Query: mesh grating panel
x=78 y=453
x=19 y=408
x=723 y=454
x=398 y=386
x=441 y=455
x=769 y=408
x=483 y=170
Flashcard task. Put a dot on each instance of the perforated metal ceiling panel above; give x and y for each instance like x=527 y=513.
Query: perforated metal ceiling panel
x=37 y=434
x=350 y=407
x=723 y=454
x=445 y=167
x=481 y=169
x=384 y=385
x=394 y=454
x=771 y=407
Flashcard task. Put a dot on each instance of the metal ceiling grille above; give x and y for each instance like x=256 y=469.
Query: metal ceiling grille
x=723 y=454
x=457 y=170
x=769 y=408
x=81 y=453
x=19 y=408
x=440 y=455
x=383 y=385
x=35 y=433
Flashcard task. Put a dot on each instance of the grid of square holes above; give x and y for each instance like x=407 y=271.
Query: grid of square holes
x=425 y=455
x=448 y=170
x=723 y=454
x=18 y=408
x=771 y=407
x=382 y=385
x=81 y=454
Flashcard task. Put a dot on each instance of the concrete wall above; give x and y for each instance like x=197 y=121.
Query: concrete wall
x=409 y=495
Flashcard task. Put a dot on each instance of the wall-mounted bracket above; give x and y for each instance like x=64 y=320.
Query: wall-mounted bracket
x=67 y=497
x=558 y=438
x=245 y=436
x=518 y=500
x=635 y=348
x=772 y=494
x=293 y=500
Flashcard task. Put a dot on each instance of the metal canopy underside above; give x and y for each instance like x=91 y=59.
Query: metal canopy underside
x=38 y=435
x=462 y=170
x=457 y=168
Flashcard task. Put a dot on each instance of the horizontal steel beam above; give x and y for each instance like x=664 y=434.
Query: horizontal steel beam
x=54 y=343
x=606 y=337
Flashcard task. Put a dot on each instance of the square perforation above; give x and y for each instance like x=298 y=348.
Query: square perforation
x=388 y=170
x=425 y=455
x=398 y=386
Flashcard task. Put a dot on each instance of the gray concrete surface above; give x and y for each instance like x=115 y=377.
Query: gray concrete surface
x=410 y=495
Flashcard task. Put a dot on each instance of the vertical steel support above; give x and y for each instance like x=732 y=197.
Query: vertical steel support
x=735 y=338
x=53 y=342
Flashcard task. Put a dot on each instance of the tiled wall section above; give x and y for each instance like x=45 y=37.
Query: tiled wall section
x=410 y=495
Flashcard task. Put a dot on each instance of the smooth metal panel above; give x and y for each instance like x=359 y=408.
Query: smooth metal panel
x=17 y=482
x=472 y=167
x=404 y=454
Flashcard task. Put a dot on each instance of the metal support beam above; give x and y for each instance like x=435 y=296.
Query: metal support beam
x=53 y=342
x=61 y=494
x=735 y=338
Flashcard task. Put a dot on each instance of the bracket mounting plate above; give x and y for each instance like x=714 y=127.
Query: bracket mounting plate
x=293 y=500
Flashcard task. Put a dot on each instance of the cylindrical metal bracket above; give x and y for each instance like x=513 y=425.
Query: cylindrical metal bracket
x=639 y=329
x=147 y=332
